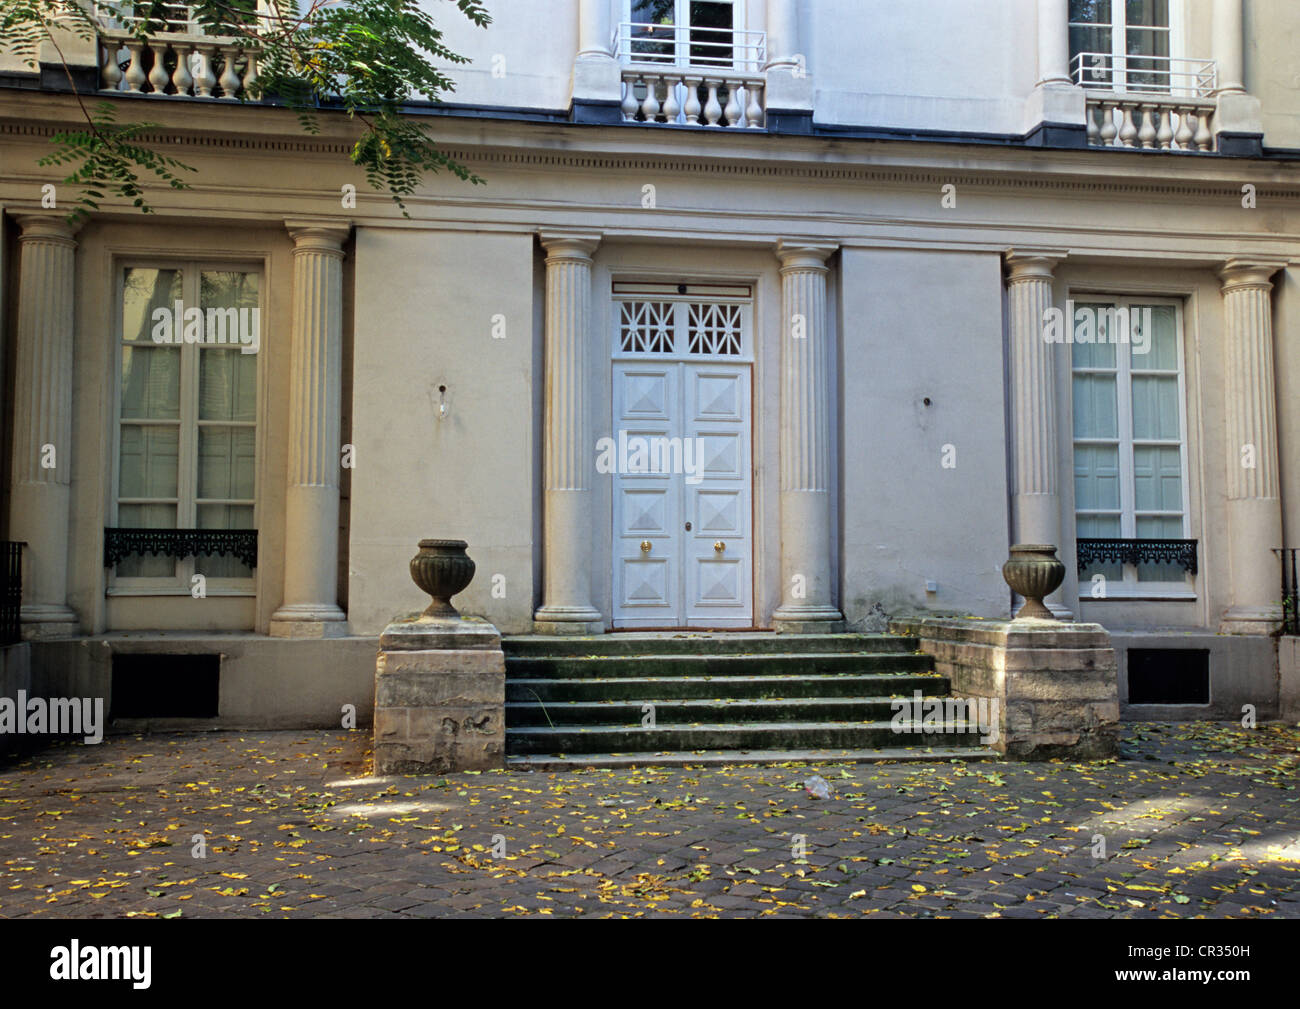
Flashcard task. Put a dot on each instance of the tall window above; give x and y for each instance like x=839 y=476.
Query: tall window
x=1130 y=458
x=684 y=32
x=187 y=415
x=1120 y=44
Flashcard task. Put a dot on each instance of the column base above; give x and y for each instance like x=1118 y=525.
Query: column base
x=45 y=622
x=568 y=620
x=1262 y=620
x=808 y=620
x=308 y=620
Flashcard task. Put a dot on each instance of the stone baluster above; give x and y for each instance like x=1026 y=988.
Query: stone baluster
x=754 y=107
x=111 y=78
x=1254 y=501
x=1204 y=139
x=310 y=608
x=672 y=106
x=712 y=110
x=650 y=106
x=182 y=79
x=1108 y=129
x=807 y=600
x=204 y=79
x=733 y=109
x=1165 y=134
x=135 y=78
x=40 y=499
x=229 y=76
x=159 y=78
x=250 y=73
x=630 y=105
x=1093 y=130
x=1183 y=138
x=567 y=447
x=692 y=107
x=1128 y=131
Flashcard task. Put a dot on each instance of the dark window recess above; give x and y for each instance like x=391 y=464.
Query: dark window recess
x=1168 y=676
x=165 y=686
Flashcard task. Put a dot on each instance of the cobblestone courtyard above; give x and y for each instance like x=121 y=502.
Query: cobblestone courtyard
x=1195 y=820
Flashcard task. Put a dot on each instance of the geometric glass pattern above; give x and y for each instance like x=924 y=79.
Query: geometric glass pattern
x=647 y=327
x=713 y=329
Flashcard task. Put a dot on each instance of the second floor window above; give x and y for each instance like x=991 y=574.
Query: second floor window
x=1121 y=44
x=699 y=33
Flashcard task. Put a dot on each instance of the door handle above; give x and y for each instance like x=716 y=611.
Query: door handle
x=645 y=546
x=719 y=546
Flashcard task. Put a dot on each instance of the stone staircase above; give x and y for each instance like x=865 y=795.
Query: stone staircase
x=718 y=698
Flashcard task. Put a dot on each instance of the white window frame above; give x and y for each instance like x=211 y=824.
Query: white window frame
x=1119 y=40
x=703 y=293
x=682 y=31
x=187 y=467
x=1129 y=587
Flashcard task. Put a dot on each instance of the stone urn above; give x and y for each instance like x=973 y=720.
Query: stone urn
x=1033 y=571
x=442 y=569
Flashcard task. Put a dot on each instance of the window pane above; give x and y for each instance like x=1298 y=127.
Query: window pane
x=1158 y=479
x=224 y=517
x=1151 y=13
x=1096 y=478
x=653 y=44
x=151 y=383
x=146 y=296
x=711 y=48
x=1092 y=11
x=1096 y=413
x=227 y=385
x=229 y=303
x=1155 y=408
x=1155 y=332
x=226 y=462
x=1092 y=346
x=147 y=463
x=151 y=516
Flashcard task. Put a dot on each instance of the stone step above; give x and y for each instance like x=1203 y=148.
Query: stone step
x=732 y=758
x=687 y=712
x=702 y=643
x=643 y=688
x=623 y=666
x=809 y=735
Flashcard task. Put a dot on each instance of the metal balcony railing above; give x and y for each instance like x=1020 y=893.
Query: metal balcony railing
x=1290 y=590
x=729 y=49
x=11 y=591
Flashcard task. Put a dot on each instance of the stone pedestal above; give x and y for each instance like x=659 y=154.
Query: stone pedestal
x=439 y=696
x=1056 y=685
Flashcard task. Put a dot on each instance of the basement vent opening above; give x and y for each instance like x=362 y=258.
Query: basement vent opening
x=1168 y=676
x=165 y=686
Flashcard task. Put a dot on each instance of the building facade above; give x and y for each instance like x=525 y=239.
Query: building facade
x=770 y=314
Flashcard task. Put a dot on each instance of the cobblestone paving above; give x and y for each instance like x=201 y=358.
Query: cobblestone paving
x=1196 y=820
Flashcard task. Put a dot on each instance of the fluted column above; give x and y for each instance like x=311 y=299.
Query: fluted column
x=782 y=33
x=310 y=608
x=1054 y=42
x=1035 y=477
x=807 y=594
x=567 y=451
x=42 y=450
x=1228 y=48
x=1254 y=500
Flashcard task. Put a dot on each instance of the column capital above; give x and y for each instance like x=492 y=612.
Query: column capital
x=1241 y=273
x=323 y=235
x=570 y=245
x=804 y=254
x=1032 y=264
x=47 y=225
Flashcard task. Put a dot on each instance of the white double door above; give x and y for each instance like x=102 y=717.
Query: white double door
x=683 y=543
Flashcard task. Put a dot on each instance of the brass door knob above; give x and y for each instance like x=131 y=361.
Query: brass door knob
x=719 y=546
x=645 y=546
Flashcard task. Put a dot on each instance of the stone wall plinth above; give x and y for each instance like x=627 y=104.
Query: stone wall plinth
x=1055 y=684
x=439 y=696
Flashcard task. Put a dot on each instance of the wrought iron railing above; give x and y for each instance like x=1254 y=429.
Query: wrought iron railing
x=1136 y=551
x=1290 y=590
x=120 y=543
x=11 y=591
